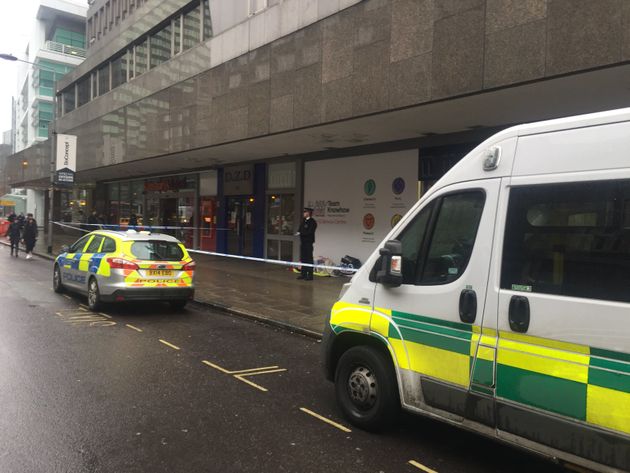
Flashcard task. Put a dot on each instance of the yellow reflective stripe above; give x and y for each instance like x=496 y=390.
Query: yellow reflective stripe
x=398 y=346
x=441 y=364
x=486 y=353
x=103 y=268
x=351 y=316
x=557 y=363
x=84 y=262
x=608 y=408
x=546 y=342
x=380 y=323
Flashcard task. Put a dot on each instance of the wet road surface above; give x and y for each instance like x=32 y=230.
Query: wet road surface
x=139 y=388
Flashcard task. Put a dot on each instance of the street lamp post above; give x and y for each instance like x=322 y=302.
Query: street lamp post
x=51 y=134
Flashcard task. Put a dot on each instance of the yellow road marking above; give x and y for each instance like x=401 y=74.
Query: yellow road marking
x=328 y=421
x=254 y=385
x=241 y=377
x=133 y=328
x=67 y=297
x=420 y=466
x=250 y=370
x=83 y=306
x=105 y=315
x=170 y=345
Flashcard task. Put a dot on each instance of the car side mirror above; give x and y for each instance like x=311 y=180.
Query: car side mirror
x=390 y=273
x=65 y=248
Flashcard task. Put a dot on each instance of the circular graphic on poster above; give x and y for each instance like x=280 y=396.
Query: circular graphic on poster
x=369 y=187
x=395 y=219
x=398 y=186
x=368 y=221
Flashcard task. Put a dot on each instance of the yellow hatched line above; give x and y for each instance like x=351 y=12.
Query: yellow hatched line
x=241 y=377
x=133 y=328
x=420 y=466
x=250 y=370
x=174 y=347
x=254 y=385
x=324 y=419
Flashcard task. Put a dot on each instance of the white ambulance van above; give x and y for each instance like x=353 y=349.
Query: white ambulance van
x=501 y=301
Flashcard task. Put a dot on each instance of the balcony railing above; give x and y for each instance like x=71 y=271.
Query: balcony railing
x=64 y=49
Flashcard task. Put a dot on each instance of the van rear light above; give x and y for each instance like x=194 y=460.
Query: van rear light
x=189 y=266
x=120 y=263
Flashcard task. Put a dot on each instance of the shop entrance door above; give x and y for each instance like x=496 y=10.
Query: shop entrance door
x=168 y=214
x=240 y=238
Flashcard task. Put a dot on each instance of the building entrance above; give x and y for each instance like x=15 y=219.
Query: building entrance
x=240 y=227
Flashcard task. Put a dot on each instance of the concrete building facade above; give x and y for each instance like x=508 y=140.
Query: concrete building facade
x=217 y=115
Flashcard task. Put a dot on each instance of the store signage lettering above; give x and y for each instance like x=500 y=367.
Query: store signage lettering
x=238 y=180
x=166 y=185
x=66 y=160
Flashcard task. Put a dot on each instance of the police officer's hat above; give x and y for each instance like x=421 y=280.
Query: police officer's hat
x=308 y=209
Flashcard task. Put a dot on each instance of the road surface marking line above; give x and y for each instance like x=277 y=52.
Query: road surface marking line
x=103 y=323
x=170 y=345
x=257 y=386
x=420 y=466
x=105 y=315
x=262 y=372
x=328 y=421
x=83 y=306
x=85 y=317
x=67 y=297
x=251 y=370
x=134 y=328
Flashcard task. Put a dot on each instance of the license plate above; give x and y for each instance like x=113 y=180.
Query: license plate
x=159 y=272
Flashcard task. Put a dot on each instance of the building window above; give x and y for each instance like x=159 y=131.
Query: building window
x=46 y=83
x=103 y=79
x=192 y=27
x=140 y=58
x=84 y=91
x=68 y=99
x=207 y=20
x=45 y=111
x=71 y=38
x=119 y=70
x=177 y=35
x=160 y=46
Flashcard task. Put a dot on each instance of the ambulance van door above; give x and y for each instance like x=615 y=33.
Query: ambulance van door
x=433 y=318
x=563 y=362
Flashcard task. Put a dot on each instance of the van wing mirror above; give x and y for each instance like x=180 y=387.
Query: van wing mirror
x=390 y=273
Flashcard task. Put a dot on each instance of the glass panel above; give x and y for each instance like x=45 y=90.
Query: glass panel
x=411 y=239
x=273 y=249
x=141 y=58
x=119 y=71
x=156 y=250
x=103 y=79
x=177 y=34
x=207 y=20
x=114 y=203
x=453 y=238
x=109 y=246
x=137 y=201
x=192 y=25
x=286 y=250
x=46 y=83
x=83 y=90
x=79 y=244
x=161 y=46
x=569 y=239
x=124 y=212
x=95 y=244
x=68 y=99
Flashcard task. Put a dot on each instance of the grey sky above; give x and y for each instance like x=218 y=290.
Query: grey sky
x=16 y=22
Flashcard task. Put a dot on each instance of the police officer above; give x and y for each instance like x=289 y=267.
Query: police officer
x=307 y=239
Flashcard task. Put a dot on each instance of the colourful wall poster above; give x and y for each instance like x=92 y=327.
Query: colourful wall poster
x=357 y=200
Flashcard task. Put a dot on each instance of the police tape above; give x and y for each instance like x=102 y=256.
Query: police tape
x=140 y=228
x=315 y=266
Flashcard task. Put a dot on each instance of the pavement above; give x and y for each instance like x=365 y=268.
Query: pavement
x=261 y=291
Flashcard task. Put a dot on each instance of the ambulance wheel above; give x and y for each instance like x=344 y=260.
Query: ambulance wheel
x=93 y=295
x=178 y=304
x=366 y=388
x=57 y=284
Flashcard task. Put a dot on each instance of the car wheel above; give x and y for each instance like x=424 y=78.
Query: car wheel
x=93 y=295
x=366 y=388
x=57 y=284
x=178 y=304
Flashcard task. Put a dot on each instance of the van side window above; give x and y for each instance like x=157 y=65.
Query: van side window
x=453 y=237
x=569 y=239
x=411 y=238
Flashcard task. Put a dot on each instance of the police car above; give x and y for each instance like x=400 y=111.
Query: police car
x=113 y=266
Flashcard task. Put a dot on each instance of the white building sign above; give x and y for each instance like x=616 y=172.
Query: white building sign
x=66 y=160
x=358 y=200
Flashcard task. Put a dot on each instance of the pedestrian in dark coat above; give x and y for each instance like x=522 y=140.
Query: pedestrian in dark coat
x=29 y=234
x=307 y=240
x=14 y=234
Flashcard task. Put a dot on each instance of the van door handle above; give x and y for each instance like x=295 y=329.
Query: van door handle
x=468 y=306
x=519 y=314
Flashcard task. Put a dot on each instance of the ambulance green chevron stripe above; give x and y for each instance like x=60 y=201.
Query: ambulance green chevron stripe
x=609 y=379
x=611 y=355
x=435 y=340
x=552 y=394
x=438 y=329
x=431 y=320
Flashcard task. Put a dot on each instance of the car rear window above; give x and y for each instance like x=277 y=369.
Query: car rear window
x=156 y=250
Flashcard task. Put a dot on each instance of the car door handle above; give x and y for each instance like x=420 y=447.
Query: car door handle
x=468 y=306
x=519 y=314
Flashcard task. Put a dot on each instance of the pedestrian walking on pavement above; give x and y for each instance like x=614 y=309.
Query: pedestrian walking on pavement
x=14 y=234
x=307 y=240
x=29 y=235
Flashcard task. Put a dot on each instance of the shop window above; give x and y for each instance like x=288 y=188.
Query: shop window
x=281 y=214
x=124 y=210
x=68 y=99
x=160 y=46
x=114 y=202
x=569 y=239
x=192 y=27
